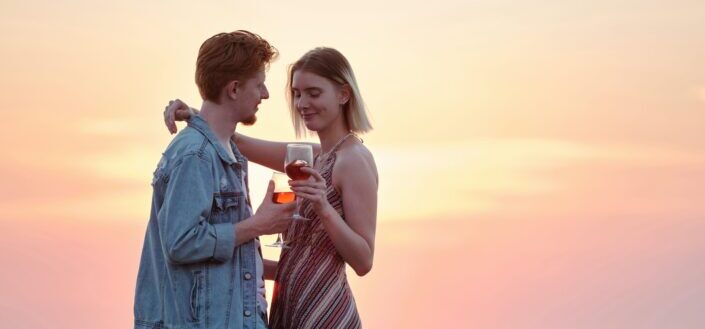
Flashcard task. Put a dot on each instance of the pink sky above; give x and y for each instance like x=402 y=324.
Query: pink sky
x=612 y=272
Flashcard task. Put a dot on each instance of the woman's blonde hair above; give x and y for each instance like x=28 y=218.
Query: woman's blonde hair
x=332 y=65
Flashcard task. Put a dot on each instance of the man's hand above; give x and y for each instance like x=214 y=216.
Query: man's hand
x=270 y=218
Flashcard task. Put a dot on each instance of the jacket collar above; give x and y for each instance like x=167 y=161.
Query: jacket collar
x=201 y=126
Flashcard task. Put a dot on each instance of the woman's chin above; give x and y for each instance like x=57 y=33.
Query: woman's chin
x=311 y=126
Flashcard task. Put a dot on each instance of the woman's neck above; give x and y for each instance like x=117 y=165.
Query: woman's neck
x=332 y=135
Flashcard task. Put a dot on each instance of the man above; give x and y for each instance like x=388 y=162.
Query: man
x=201 y=266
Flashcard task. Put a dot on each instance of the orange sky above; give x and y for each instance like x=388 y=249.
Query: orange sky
x=542 y=164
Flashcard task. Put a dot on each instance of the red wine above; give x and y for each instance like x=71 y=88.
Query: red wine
x=283 y=197
x=293 y=170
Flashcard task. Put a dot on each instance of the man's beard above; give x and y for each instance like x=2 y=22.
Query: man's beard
x=250 y=121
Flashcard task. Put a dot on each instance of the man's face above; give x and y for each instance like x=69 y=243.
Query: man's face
x=251 y=94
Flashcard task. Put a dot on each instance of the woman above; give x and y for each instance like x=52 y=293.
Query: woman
x=311 y=288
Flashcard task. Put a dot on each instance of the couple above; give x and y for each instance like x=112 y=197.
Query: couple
x=201 y=264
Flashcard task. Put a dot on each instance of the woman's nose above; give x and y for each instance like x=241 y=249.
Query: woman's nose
x=302 y=103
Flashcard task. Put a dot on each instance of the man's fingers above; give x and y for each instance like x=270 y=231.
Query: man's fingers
x=289 y=206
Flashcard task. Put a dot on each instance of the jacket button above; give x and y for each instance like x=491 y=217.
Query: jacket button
x=248 y=276
x=248 y=313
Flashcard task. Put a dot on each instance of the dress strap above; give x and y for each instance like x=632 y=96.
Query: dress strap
x=325 y=156
x=340 y=142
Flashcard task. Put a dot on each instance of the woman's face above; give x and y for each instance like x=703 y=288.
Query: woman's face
x=317 y=99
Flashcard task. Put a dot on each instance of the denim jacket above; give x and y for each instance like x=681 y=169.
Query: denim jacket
x=191 y=275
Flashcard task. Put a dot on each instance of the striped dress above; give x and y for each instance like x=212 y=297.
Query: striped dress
x=311 y=288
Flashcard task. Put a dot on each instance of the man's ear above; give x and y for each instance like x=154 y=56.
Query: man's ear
x=231 y=89
x=344 y=94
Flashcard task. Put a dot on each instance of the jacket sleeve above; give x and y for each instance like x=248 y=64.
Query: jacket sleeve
x=187 y=236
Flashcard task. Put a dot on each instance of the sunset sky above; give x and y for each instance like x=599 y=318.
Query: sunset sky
x=542 y=163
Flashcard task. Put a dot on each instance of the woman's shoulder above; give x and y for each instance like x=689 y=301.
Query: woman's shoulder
x=354 y=152
x=355 y=159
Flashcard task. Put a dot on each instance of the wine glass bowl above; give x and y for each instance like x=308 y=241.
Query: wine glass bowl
x=293 y=170
x=282 y=194
x=297 y=157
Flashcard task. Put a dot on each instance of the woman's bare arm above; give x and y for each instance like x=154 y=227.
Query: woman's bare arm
x=355 y=174
x=355 y=177
x=263 y=152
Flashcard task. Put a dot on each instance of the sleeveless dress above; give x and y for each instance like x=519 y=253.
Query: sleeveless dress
x=311 y=288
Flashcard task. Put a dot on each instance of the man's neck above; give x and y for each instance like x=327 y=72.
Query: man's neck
x=221 y=120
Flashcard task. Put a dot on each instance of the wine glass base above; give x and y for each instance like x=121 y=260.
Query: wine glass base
x=299 y=217
x=277 y=245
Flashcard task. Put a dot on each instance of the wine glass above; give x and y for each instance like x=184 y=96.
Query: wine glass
x=297 y=157
x=282 y=194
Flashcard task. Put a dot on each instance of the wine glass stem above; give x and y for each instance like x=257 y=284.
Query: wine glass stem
x=296 y=209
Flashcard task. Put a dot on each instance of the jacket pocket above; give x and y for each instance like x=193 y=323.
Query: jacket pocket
x=196 y=295
x=225 y=206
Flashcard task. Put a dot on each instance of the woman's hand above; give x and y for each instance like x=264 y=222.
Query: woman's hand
x=313 y=190
x=177 y=110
